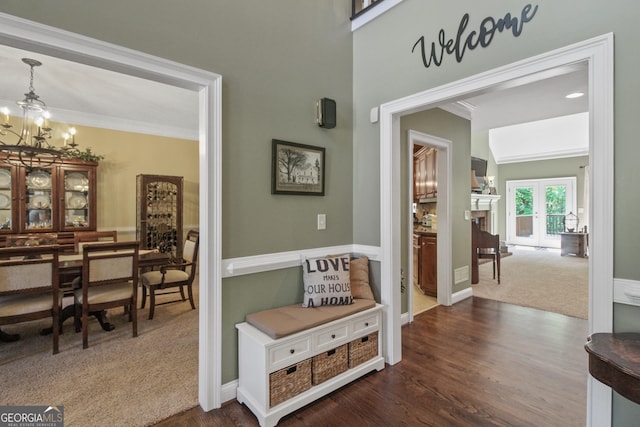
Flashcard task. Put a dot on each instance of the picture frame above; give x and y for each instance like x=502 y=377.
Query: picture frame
x=297 y=168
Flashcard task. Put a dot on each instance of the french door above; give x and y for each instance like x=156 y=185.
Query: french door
x=536 y=210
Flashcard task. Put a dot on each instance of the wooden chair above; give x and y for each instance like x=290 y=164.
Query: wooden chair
x=80 y=239
x=109 y=279
x=486 y=245
x=29 y=286
x=178 y=274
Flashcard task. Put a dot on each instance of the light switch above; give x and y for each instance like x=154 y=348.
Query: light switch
x=467 y=215
x=322 y=221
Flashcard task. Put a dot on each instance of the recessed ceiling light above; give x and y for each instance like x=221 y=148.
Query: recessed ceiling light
x=574 y=95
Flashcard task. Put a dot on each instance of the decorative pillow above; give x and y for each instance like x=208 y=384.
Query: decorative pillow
x=360 y=287
x=326 y=281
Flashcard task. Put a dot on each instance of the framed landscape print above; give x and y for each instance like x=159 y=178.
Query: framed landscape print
x=297 y=169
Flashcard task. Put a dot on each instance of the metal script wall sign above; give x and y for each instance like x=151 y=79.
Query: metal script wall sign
x=483 y=37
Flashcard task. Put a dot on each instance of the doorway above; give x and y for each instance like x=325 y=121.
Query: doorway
x=58 y=43
x=443 y=212
x=536 y=210
x=598 y=54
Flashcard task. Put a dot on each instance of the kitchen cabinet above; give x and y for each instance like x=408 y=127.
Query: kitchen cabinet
x=416 y=258
x=427 y=266
x=57 y=198
x=425 y=173
x=159 y=213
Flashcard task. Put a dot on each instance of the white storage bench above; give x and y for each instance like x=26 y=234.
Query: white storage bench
x=278 y=375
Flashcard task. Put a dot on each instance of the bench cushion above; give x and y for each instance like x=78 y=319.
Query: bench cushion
x=282 y=321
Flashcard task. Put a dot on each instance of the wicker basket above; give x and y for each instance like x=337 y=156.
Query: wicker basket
x=289 y=382
x=329 y=364
x=363 y=349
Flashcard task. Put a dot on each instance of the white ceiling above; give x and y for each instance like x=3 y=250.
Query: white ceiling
x=528 y=102
x=82 y=95
x=78 y=94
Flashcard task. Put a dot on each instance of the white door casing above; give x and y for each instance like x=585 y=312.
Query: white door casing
x=598 y=54
x=443 y=159
x=28 y=35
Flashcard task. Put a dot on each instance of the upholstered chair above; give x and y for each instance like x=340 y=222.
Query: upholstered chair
x=29 y=286
x=109 y=279
x=179 y=274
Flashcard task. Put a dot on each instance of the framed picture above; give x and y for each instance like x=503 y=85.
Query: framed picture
x=297 y=169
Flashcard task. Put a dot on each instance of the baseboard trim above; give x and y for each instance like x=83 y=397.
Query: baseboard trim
x=404 y=318
x=462 y=295
x=228 y=391
x=626 y=291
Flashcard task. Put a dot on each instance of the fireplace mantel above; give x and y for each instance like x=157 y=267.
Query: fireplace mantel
x=489 y=204
x=483 y=202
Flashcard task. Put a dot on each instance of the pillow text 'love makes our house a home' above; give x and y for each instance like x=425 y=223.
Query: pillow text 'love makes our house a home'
x=326 y=281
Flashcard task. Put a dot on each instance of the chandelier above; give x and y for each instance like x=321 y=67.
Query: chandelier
x=30 y=147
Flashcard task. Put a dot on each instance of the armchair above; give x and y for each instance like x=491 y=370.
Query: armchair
x=178 y=274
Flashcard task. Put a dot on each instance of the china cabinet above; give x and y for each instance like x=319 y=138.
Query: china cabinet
x=159 y=213
x=58 y=198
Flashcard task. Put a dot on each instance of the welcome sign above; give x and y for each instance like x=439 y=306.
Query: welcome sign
x=464 y=39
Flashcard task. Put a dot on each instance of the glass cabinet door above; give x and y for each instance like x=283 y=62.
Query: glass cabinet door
x=39 y=199
x=7 y=208
x=159 y=211
x=77 y=199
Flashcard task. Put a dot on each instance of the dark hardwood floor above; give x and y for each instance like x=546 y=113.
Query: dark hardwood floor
x=477 y=363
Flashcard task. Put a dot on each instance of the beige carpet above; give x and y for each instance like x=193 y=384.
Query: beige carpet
x=541 y=279
x=118 y=380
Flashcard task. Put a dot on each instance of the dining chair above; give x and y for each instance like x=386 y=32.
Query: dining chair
x=486 y=245
x=81 y=239
x=109 y=279
x=180 y=273
x=29 y=286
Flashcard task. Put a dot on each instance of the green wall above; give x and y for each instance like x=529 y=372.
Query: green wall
x=275 y=62
x=556 y=24
x=480 y=148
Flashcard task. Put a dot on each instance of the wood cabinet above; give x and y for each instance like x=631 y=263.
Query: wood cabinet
x=574 y=244
x=428 y=264
x=159 y=213
x=416 y=259
x=58 y=198
x=425 y=173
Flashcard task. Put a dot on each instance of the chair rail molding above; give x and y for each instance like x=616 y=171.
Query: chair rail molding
x=240 y=266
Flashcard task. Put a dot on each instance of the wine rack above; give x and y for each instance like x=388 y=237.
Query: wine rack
x=159 y=213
